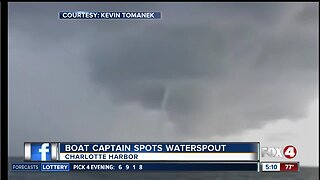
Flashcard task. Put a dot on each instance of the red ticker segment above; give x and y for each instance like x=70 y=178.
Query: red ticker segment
x=293 y=167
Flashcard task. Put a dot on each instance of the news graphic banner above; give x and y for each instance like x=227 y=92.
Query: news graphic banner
x=146 y=156
x=158 y=152
x=67 y=15
x=142 y=152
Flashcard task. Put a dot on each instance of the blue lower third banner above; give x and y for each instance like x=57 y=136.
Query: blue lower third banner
x=176 y=166
x=142 y=151
x=157 y=151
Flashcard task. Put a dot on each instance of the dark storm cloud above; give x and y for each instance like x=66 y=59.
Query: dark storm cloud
x=223 y=76
x=223 y=67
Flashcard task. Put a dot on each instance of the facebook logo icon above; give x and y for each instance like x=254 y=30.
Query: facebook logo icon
x=40 y=151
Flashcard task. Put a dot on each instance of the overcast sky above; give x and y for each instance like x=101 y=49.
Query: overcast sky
x=204 y=72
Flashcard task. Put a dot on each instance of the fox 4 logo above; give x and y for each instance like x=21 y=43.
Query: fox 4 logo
x=276 y=152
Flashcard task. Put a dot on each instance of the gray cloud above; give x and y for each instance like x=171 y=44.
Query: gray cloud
x=243 y=74
x=225 y=68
